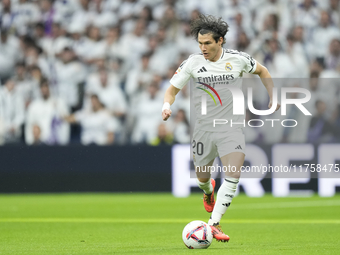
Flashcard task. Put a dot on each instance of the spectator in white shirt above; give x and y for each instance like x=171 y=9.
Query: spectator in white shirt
x=211 y=7
x=136 y=42
x=34 y=57
x=98 y=126
x=9 y=54
x=323 y=35
x=139 y=77
x=181 y=129
x=127 y=9
x=165 y=79
x=115 y=48
x=13 y=108
x=47 y=15
x=165 y=50
x=273 y=8
x=161 y=6
x=332 y=59
x=281 y=64
x=100 y=17
x=183 y=102
x=147 y=15
x=80 y=44
x=38 y=33
x=146 y=115
x=307 y=15
x=106 y=86
x=230 y=8
x=334 y=12
x=6 y=14
x=64 y=9
x=97 y=49
x=185 y=42
x=70 y=73
x=300 y=41
x=54 y=45
x=47 y=113
x=298 y=59
x=243 y=42
x=171 y=23
x=24 y=84
x=82 y=14
x=26 y=14
x=36 y=78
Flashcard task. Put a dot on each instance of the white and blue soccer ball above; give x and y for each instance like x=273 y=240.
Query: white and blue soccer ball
x=197 y=235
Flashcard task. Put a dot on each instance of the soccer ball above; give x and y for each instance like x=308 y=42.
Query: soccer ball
x=197 y=235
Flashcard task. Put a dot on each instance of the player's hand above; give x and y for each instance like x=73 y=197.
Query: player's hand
x=277 y=106
x=166 y=114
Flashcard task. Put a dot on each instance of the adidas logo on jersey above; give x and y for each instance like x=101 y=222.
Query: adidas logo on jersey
x=239 y=147
x=202 y=70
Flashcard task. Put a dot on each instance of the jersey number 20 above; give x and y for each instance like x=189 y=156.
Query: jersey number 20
x=199 y=148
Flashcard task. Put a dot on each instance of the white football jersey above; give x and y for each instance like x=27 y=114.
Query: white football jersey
x=213 y=80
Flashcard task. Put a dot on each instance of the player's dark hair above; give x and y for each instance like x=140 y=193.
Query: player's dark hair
x=208 y=24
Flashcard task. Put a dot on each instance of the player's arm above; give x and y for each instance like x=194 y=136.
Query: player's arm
x=267 y=81
x=169 y=99
x=178 y=81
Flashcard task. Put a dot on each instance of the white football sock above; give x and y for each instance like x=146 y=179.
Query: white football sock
x=224 y=196
x=205 y=186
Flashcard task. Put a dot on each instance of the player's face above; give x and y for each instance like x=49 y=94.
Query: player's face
x=209 y=47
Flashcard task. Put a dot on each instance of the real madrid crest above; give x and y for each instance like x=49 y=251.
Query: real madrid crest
x=228 y=67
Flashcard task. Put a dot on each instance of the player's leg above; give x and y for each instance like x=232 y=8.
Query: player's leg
x=227 y=190
x=226 y=193
x=231 y=148
x=204 y=154
x=207 y=184
x=203 y=176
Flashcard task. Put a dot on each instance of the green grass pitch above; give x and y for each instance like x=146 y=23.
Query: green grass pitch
x=145 y=223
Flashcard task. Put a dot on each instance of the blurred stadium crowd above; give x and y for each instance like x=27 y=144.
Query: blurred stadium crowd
x=95 y=71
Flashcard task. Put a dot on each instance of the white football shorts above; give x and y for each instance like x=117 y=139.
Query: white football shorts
x=206 y=146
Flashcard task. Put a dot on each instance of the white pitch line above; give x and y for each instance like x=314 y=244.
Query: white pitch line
x=113 y=220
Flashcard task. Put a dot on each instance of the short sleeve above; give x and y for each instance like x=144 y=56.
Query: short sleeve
x=249 y=64
x=182 y=75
